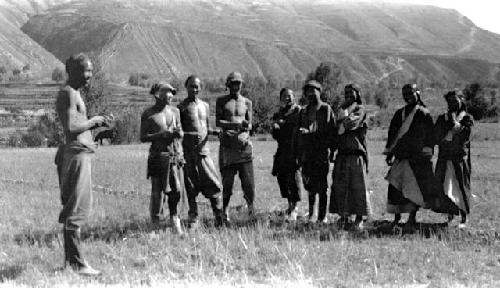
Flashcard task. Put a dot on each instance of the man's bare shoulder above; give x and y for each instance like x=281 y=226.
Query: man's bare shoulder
x=174 y=110
x=66 y=92
x=147 y=112
x=247 y=100
x=222 y=99
x=64 y=97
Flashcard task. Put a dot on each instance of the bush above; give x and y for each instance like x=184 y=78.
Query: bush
x=46 y=132
x=128 y=126
x=58 y=74
x=139 y=79
x=331 y=77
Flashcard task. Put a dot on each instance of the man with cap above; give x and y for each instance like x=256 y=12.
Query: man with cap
x=453 y=167
x=73 y=159
x=348 y=192
x=200 y=174
x=233 y=114
x=408 y=151
x=316 y=132
x=161 y=125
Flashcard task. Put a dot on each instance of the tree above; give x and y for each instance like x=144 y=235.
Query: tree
x=97 y=94
x=26 y=68
x=57 y=74
x=478 y=104
x=16 y=72
x=331 y=77
x=3 y=70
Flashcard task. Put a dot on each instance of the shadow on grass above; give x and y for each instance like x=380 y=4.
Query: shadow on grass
x=278 y=228
x=11 y=272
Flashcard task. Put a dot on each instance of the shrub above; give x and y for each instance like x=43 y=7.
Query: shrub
x=128 y=125
x=57 y=74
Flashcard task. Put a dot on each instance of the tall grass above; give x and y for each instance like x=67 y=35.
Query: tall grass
x=131 y=252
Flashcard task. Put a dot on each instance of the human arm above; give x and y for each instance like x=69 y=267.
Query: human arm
x=71 y=119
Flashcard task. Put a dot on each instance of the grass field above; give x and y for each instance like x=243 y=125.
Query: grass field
x=120 y=241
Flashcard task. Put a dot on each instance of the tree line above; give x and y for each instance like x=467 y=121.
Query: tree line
x=481 y=101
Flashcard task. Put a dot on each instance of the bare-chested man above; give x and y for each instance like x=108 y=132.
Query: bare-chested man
x=73 y=159
x=200 y=174
x=161 y=125
x=233 y=113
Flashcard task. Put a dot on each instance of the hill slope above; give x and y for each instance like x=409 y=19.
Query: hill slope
x=267 y=38
x=17 y=48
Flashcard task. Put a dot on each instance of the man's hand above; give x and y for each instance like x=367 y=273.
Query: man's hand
x=276 y=126
x=467 y=121
x=245 y=124
x=177 y=132
x=389 y=159
x=303 y=131
x=98 y=121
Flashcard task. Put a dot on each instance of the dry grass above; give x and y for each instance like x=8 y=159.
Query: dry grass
x=268 y=253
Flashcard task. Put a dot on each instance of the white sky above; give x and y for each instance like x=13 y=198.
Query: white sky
x=484 y=13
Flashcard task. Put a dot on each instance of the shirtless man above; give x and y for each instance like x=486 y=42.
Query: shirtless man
x=161 y=125
x=200 y=174
x=233 y=113
x=73 y=159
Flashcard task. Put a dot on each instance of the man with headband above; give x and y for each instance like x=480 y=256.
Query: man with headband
x=200 y=174
x=233 y=113
x=161 y=125
x=408 y=151
x=453 y=167
x=73 y=159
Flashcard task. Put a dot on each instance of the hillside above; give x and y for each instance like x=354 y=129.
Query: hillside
x=17 y=48
x=268 y=38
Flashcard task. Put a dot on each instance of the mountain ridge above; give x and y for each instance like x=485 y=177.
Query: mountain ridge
x=266 y=38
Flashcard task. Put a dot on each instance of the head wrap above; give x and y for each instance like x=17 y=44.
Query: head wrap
x=162 y=85
x=356 y=91
x=314 y=84
x=458 y=94
x=412 y=88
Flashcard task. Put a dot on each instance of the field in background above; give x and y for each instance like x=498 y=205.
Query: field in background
x=120 y=241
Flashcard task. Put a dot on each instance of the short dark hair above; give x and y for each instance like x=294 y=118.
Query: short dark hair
x=283 y=90
x=190 y=77
x=75 y=61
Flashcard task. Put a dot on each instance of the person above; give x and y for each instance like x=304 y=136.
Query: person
x=408 y=152
x=453 y=167
x=285 y=164
x=161 y=125
x=73 y=159
x=233 y=114
x=316 y=131
x=200 y=174
x=348 y=191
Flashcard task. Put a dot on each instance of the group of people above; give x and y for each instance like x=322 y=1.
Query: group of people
x=309 y=138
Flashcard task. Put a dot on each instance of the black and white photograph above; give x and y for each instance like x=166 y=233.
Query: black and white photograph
x=249 y=143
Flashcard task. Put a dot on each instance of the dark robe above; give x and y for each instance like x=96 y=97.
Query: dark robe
x=348 y=192
x=453 y=167
x=285 y=165
x=412 y=183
